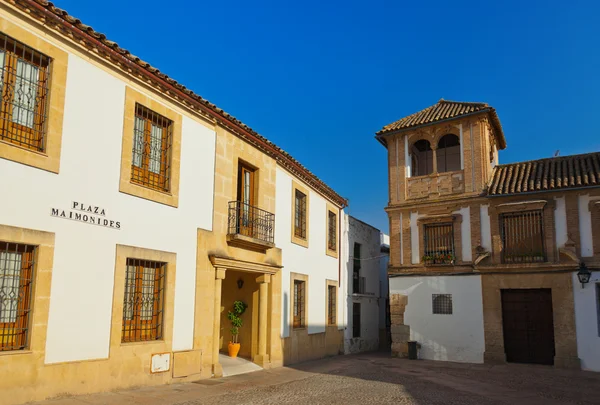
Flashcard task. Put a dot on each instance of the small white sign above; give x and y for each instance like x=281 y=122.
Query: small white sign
x=160 y=363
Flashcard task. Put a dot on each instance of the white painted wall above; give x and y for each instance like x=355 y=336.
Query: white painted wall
x=560 y=222
x=587 y=322
x=374 y=270
x=414 y=238
x=312 y=261
x=585 y=226
x=458 y=337
x=486 y=230
x=84 y=256
x=465 y=230
x=383 y=281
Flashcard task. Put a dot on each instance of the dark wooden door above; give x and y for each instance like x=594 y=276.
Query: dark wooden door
x=528 y=326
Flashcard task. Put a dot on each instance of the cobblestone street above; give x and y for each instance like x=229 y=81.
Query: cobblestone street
x=375 y=379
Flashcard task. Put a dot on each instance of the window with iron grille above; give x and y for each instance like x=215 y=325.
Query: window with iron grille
x=300 y=214
x=439 y=243
x=143 y=304
x=151 y=162
x=25 y=75
x=523 y=237
x=299 y=302
x=332 y=231
x=442 y=304
x=16 y=287
x=331 y=304
x=355 y=319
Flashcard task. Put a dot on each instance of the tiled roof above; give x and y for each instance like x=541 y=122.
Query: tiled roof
x=59 y=20
x=444 y=110
x=557 y=173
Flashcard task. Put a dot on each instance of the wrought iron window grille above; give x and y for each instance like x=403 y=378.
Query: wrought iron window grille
x=299 y=297
x=442 y=304
x=332 y=231
x=16 y=294
x=300 y=214
x=24 y=82
x=151 y=160
x=250 y=221
x=331 y=308
x=439 y=243
x=522 y=236
x=143 y=303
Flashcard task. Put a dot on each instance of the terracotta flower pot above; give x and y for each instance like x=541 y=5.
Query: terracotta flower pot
x=234 y=349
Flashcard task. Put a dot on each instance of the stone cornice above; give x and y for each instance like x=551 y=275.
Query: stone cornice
x=220 y=262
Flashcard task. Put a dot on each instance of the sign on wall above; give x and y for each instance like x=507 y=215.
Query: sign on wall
x=89 y=214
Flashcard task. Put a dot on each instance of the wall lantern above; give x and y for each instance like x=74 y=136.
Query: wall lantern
x=583 y=274
x=240 y=283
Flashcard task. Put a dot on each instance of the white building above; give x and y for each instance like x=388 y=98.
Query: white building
x=366 y=268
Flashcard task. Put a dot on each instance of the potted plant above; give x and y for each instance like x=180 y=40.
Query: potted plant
x=234 y=316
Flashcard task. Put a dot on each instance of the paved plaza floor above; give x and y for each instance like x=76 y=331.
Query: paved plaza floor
x=373 y=378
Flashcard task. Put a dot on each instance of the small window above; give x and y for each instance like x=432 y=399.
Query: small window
x=448 y=154
x=523 y=237
x=16 y=286
x=356 y=320
x=299 y=302
x=331 y=304
x=439 y=243
x=422 y=164
x=144 y=301
x=24 y=80
x=331 y=231
x=151 y=149
x=356 y=269
x=300 y=214
x=442 y=304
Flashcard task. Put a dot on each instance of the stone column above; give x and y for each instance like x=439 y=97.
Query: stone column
x=217 y=368
x=434 y=157
x=262 y=358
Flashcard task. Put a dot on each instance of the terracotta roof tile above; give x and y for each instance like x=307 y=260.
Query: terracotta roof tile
x=443 y=110
x=74 y=24
x=556 y=173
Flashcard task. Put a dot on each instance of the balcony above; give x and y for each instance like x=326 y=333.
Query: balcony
x=435 y=185
x=250 y=227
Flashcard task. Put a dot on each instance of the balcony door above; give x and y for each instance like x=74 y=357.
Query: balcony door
x=246 y=197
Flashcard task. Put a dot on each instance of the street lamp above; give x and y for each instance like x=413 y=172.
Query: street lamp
x=583 y=274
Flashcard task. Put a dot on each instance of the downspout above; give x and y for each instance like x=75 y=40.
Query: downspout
x=133 y=66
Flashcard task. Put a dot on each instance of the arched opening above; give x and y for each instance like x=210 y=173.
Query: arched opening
x=448 y=154
x=422 y=158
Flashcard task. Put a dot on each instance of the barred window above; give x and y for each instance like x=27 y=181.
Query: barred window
x=331 y=304
x=151 y=162
x=523 y=237
x=439 y=243
x=299 y=302
x=442 y=304
x=355 y=320
x=144 y=301
x=300 y=214
x=331 y=231
x=16 y=279
x=25 y=75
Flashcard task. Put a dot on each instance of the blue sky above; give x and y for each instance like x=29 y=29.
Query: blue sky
x=319 y=78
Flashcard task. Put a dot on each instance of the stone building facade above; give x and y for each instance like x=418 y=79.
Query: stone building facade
x=483 y=256
x=135 y=213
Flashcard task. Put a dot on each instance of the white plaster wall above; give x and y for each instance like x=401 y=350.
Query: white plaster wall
x=465 y=229
x=312 y=261
x=458 y=337
x=414 y=238
x=373 y=260
x=560 y=222
x=84 y=257
x=586 y=322
x=585 y=226
x=486 y=230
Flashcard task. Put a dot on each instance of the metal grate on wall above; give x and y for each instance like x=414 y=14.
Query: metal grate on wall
x=152 y=138
x=16 y=287
x=332 y=234
x=523 y=237
x=24 y=80
x=143 y=304
x=299 y=297
x=331 y=308
x=442 y=304
x=300 y=214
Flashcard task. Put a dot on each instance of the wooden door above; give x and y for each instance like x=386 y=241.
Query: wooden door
x=528 y=324
x=246 y=200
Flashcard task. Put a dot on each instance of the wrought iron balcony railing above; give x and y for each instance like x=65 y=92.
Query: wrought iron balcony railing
x=251 y=222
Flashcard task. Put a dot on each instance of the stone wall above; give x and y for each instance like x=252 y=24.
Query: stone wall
x=400 y=332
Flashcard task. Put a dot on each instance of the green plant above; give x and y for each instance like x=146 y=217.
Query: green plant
x=239 y=307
